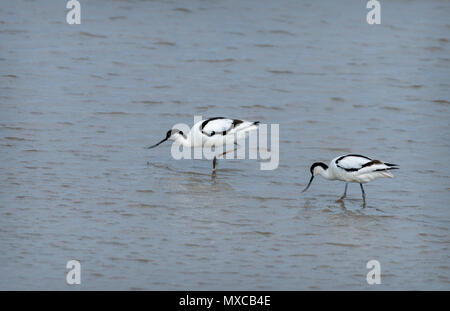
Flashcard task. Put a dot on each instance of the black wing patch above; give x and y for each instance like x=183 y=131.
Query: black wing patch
x=234 y=124
x=208 y=120
x=372 y=163
x=353 y=169
x=352 y=155
x=348 y=169
x=391 y=167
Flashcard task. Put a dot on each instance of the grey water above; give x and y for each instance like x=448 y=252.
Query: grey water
x=79 y=104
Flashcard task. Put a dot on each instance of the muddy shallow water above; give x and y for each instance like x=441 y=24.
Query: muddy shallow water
x=78 y=104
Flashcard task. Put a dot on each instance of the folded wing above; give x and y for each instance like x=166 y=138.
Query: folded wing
x=223 y=126
x=362 y=164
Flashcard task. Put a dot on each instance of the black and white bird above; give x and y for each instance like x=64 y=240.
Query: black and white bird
x=216 y=132
x=352 y=168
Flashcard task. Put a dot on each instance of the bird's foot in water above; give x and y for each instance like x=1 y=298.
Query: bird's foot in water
x=214 y=164
x=341 y=199
x=364 y=205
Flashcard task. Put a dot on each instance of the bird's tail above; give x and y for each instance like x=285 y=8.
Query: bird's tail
x=385 y=172
x=249 y=126
x=244 y=130
x=392 y=166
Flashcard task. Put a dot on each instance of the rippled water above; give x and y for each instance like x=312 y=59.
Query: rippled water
x=80 y=102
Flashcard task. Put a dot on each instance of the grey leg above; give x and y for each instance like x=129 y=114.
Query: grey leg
x=215 y=159
x=227 y=152
x=345 y=193
x=363 y=195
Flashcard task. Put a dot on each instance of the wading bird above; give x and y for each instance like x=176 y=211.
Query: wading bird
x=212 y=132
x=353 y=168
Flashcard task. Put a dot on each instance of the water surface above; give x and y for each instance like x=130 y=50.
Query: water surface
x=80 y=102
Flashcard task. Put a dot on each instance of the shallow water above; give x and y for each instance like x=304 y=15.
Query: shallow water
x=80 y=102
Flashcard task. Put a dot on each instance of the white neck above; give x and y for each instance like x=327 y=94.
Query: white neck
x=186 y=142
x=326 y=174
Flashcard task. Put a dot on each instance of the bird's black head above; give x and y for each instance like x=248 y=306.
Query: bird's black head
x=318 y=164
x=315 y=171
x=173 y=132
x=170 y=134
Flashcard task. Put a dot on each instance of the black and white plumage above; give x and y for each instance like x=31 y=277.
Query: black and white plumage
x=220 y=126
x=353 y=168
x=218 y=131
